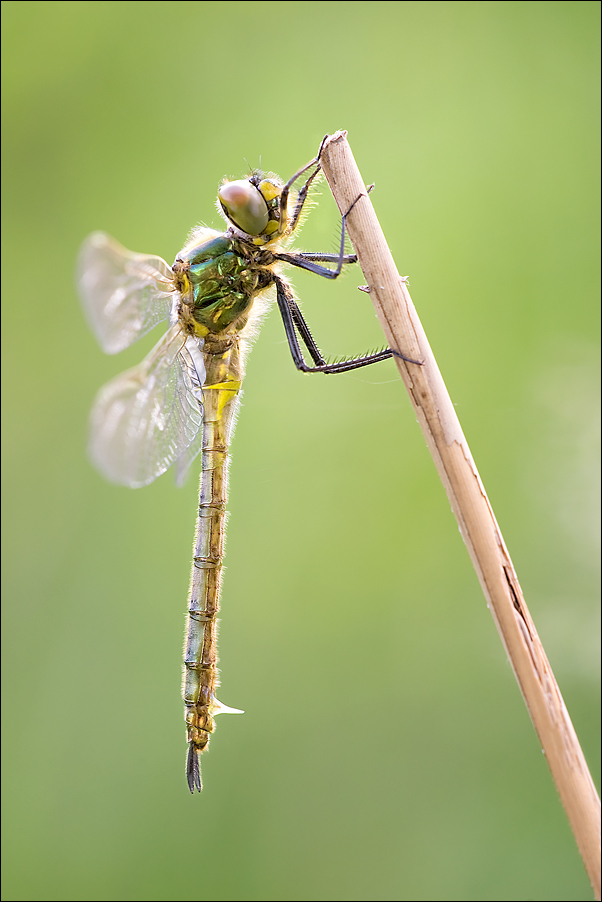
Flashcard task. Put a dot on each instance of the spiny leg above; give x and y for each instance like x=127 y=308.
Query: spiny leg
x=305 y=261
x=292 y=316
x=293 y=320
x=303 y=329
x=302 y=196
x=326 y=258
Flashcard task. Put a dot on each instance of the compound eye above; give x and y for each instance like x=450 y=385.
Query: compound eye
x=245 y=206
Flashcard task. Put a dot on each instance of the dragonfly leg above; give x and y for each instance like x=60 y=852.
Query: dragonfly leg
x=294 y=322
x=324 y=258
x=301 y=197
x=306 y=261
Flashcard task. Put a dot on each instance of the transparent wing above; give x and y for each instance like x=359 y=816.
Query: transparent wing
x=147 y=418
x=124 y=294
x=191 y=358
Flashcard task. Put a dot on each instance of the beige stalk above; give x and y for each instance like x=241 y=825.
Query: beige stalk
x=478 y=526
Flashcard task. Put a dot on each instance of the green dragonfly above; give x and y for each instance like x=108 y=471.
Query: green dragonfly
x=181 y=401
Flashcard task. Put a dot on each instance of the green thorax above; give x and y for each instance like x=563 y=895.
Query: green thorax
x=218 y=277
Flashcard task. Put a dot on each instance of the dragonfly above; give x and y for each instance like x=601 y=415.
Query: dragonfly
x=181 y=400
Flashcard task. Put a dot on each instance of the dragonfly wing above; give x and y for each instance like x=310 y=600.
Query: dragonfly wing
x=146 y=418
x=124 y=294
x=192 y=361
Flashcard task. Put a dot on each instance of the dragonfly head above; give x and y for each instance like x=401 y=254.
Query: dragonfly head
x=252 y=206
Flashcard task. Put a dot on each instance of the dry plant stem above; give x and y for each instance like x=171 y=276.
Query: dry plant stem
x=480 y=531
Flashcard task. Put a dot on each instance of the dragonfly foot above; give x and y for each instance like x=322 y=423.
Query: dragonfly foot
x=407 y=359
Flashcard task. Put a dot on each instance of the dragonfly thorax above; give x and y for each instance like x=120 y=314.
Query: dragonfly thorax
x=218 y=276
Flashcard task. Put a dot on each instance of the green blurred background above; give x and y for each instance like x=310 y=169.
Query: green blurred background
x=386 y=752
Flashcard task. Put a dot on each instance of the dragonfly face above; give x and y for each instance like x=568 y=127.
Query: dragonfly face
x=181 y=400
x=253 y=206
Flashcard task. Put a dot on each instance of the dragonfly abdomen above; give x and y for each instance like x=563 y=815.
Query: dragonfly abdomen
x=220 y=395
